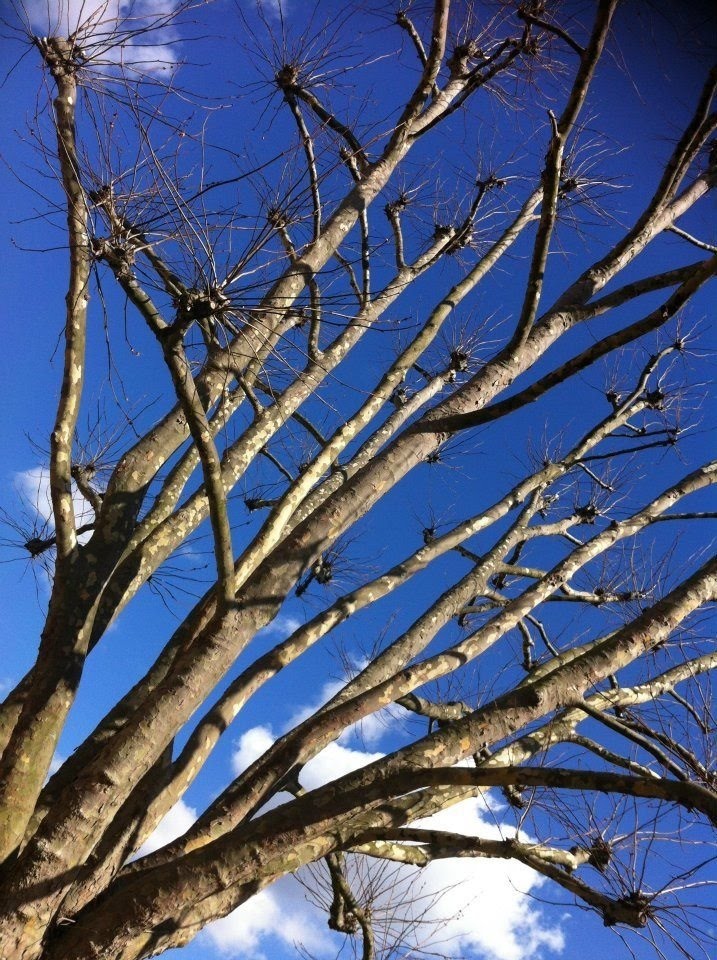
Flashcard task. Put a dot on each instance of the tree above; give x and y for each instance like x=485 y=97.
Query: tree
x=412 y=316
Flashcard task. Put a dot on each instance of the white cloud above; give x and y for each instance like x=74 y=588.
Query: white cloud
x=280 y=915
x=173 y=825
x=246 y=926
x=329 y=689
x=482 y=903
x=471 y=907
x=33 y=485
x=250 y=747
x=460 y=907
x=101 y=22
x=333 y=762
x=56 y=763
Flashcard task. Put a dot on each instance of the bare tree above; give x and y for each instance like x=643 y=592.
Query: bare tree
x=317 y=315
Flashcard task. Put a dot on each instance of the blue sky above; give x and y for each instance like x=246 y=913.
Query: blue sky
x=640 y=99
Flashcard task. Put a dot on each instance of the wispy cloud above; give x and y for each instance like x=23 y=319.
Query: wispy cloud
x=280 y=627
x=273 y=8
x=370 y=731
x=250 y=746
x=327 y=691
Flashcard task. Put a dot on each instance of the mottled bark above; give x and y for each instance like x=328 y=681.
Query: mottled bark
x=258 y=347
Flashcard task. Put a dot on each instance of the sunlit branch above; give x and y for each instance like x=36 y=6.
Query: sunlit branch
x=170 y=340
x=308 y=145
x=258 y=338
x=160 y=532
x=291 y=87
x=34 y=721
x=670 y=745
x=236 y=694
x=308 y=738
x=429 y=845
x=324 y=362
x=427 y=83
x=559 y=865
x=551 y=175
x=406 y=24
x=664 y=207
x=710 y=247
x=618 y=726
x=610 y=756
x=563 y=726
x=628 y=334
x=58 y=56
x=463 y=82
